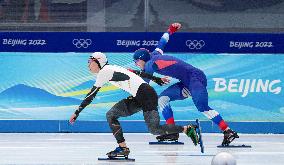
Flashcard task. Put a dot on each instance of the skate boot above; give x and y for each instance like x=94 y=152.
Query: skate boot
x=191 y=132
x=229 y=136
x=119 y=152
x=168 y=137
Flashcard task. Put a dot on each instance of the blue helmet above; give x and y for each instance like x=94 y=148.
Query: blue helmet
x=141 y=54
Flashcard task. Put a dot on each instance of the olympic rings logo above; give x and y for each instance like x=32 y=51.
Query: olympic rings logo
x=82 y=43
x=195 y=44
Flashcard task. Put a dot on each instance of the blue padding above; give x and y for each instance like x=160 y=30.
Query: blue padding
x=29 y=126
x=56 y=126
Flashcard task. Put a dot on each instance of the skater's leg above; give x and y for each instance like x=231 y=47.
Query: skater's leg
x=176 y=91
x=152 y=120
x=148 y=99
x=123 y=108
x=200 y=99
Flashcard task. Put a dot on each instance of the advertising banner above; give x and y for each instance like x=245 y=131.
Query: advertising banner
x=50 y=86
x=44 y=78
x=130 y=41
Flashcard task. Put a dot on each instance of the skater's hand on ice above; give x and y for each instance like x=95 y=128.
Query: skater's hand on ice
x=73 y=118
x=174 y=27
x=166 y=79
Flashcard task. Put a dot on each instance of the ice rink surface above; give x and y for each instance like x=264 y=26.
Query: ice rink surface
x=85 y=148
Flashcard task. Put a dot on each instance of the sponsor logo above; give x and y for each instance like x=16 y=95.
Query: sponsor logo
x=14 y=42
x=128 y=43
x=246 y=86
x=240 y=45
x=82 y=43
x=23 y=42
x=195 y=44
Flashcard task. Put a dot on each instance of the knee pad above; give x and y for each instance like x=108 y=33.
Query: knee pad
x=185 y=92
x=163 y=101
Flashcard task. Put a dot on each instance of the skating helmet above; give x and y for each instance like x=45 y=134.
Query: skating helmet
x=141 y=54
x=100 y=58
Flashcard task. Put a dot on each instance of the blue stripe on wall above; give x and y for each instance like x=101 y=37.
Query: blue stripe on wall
x=59 y=126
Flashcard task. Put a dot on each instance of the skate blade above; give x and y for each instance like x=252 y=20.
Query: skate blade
x=167 y=140
x=118 y=159
x=167 y=143
x=235 y=146
x=199 y=133
x=231 y=139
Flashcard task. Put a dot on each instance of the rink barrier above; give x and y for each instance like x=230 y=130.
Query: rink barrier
x=62 y=126
x=131 y=41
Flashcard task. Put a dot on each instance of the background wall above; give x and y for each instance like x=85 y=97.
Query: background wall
x=53 y=85
x=44 y=45
x=142 y=15
x=39 y=92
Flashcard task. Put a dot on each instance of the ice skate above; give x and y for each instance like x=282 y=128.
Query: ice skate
x=229 y=136
x=199 y=134
x=191 y=132
x=168 y=139
x=194 y=132
x=119 y=152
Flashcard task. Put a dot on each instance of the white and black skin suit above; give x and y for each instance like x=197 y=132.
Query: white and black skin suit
x=143 y=97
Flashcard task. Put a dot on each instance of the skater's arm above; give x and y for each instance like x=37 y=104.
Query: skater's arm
x=103 y=77
x=165 y=38
x=158 y=80
x=87 y=100
x=147 y=80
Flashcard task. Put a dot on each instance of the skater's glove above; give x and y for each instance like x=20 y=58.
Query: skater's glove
x=159 y=81
x=74 y=117
x=166 y=80
x=174 y=27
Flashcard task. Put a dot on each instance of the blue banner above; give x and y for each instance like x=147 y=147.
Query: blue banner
x=130 y=41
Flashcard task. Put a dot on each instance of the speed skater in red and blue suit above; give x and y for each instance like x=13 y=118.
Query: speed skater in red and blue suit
x=192 y=83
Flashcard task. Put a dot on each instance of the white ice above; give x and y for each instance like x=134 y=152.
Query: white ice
x=85 y=148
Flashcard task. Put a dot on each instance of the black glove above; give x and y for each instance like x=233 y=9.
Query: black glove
x=159 y=81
